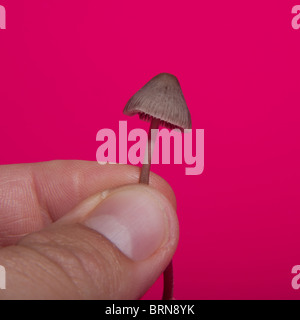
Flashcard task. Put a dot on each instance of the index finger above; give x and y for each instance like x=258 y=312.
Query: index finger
x=35 y=195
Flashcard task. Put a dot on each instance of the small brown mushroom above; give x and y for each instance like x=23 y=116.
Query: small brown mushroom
x=160 y=101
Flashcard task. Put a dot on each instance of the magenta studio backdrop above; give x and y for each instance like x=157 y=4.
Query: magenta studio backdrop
x=67 y=69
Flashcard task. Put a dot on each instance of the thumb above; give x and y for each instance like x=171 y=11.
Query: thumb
x=114 y=245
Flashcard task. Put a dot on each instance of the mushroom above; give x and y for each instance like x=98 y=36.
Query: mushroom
x=160 y=101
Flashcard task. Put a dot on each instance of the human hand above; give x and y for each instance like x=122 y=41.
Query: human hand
x=78 y=230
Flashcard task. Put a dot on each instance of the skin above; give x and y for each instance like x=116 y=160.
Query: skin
x=46 y=259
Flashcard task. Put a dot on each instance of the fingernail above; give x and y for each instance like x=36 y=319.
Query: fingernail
x=134 y=220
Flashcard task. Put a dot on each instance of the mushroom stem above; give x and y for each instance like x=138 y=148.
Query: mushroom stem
x=168 y=283
x=144 y=177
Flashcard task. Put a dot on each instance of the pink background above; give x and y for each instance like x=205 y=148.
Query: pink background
x=67 y=68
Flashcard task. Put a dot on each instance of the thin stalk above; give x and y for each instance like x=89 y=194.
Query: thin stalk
x=144 y=178
x=168 y=282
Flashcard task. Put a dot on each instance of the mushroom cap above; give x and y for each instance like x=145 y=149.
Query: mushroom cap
x=161 y=98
